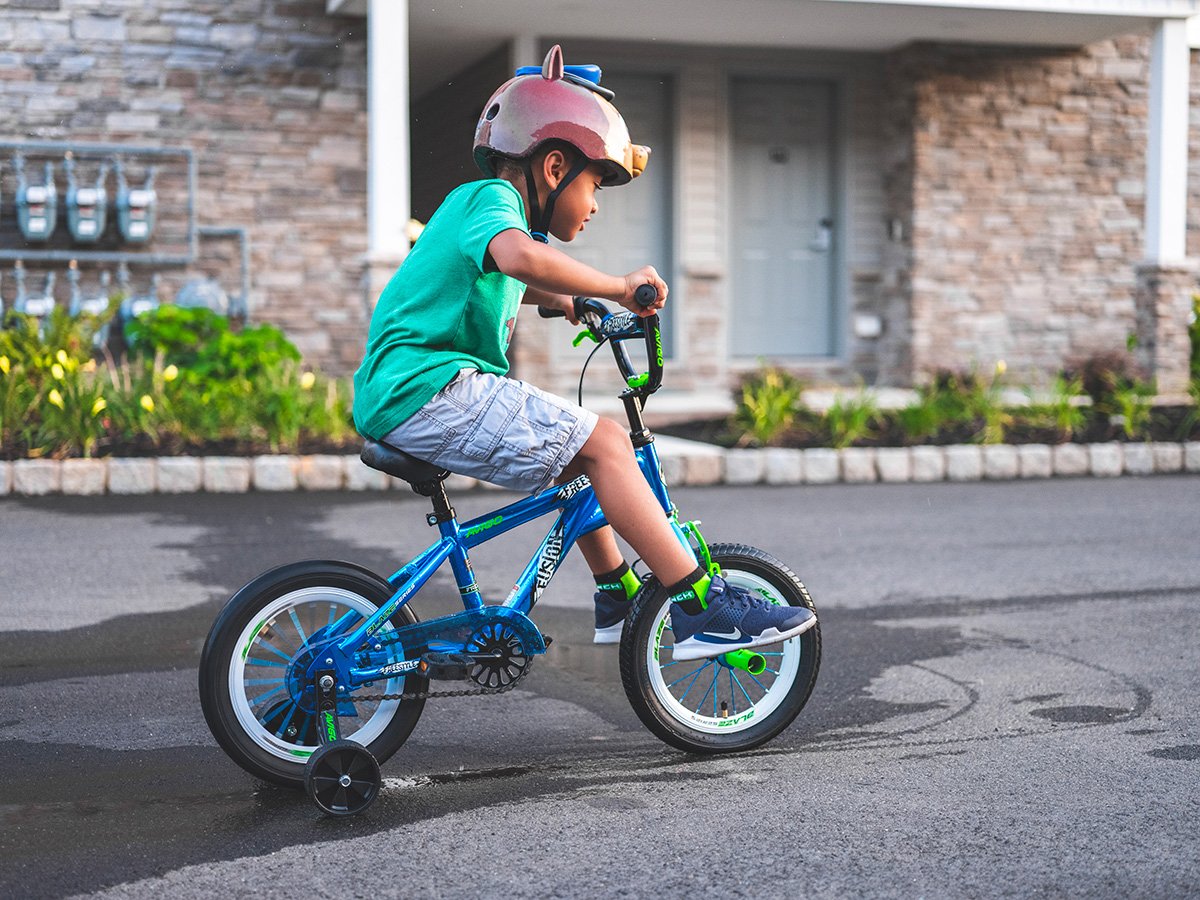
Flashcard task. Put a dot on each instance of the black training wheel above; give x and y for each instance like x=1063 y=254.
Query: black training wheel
x=342 y=778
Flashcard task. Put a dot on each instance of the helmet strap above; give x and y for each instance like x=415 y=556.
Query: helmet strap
x=539 y=218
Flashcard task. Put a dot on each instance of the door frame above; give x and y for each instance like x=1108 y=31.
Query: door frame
x=837 y=78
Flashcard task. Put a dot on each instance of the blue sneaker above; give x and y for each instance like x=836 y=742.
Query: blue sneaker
x=610 y=618
x=734 y=620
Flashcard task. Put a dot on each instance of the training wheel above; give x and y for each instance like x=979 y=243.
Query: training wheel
x=342 y=778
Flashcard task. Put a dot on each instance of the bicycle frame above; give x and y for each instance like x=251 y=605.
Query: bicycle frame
x=579 y=514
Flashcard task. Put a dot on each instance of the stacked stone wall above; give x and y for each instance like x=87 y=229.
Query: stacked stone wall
x=271 y=97
x=1027 y=203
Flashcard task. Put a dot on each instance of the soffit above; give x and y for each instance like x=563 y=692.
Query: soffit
x=446 y=37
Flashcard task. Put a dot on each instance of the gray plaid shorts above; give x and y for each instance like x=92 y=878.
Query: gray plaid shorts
x=496 y=429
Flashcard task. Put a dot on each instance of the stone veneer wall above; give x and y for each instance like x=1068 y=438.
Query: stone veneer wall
x=270 y=95
x=1018 y=176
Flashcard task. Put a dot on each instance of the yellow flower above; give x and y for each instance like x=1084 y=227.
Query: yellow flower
x=307 y=380
x=89 y=366
x=62 y=357
x=5 y=365
x=57 y=371
x=56 y=398
x=147 y=403
x=99 y=406
x=171 y=372
x=1001 y=367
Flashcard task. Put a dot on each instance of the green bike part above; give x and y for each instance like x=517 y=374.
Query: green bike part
x=638 y=380
x=582 y=336
x=747 y=660
x=692 y=531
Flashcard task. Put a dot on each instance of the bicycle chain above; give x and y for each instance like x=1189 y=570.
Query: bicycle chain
x=466 y=692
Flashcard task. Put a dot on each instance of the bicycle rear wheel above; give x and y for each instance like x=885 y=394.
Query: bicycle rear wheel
x=252 y=688
x=710 y=705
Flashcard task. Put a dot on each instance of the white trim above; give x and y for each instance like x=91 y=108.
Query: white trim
x=1167 y=147
x=1149 y=8
x=1193 y=32
x=388 y=154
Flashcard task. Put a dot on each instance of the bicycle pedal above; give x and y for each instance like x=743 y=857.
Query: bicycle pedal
x=446 y=666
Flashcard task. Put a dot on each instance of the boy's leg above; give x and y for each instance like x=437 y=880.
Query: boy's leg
x=616 y=584
x=628 y=503
x=709 y=617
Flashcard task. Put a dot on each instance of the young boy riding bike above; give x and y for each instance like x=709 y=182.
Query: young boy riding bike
x=433 y=381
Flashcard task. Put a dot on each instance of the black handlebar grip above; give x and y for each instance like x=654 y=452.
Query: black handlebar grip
x=645 y=295
x=547 y=313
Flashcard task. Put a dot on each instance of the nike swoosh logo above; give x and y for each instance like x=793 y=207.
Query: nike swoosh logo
x=720 y=638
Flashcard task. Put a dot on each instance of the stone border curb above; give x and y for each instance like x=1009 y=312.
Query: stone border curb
x=684 y=463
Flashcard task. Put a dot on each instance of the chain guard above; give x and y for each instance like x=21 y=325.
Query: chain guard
x=490 y=629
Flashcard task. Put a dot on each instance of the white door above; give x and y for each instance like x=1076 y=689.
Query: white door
x=782 y=292
x=633 y=227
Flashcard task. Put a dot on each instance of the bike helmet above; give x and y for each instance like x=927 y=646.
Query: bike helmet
x=556 y=103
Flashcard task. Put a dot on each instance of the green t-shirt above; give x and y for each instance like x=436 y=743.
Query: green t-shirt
x=447 y=308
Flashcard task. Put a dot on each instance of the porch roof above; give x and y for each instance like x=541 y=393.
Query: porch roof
x=445 y=38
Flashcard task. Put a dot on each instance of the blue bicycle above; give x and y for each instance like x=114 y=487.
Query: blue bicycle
x=316 y=672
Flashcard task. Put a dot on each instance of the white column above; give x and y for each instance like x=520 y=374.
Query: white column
x=1166 y=152
x=388 y=164
x=522 y=51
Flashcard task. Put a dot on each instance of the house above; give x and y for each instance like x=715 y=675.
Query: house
x=863 y=192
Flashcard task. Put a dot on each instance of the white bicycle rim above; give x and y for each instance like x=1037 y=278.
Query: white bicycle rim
x=690 y=690
x=268 y=667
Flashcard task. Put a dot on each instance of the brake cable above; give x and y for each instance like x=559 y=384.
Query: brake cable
x=600 y=343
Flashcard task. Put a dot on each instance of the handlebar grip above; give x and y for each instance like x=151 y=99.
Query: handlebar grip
x=547 y=313
x=645 y=295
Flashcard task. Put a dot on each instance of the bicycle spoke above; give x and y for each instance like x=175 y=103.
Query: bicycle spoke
x=696 y=672
x=692 y=683
x=706 y=693
x=251 y=661
x=738 y=682
x=261 y=697
x=274 y=649
x=261 y=681
x=732 y=695
x=299 y=630
x=287 y=721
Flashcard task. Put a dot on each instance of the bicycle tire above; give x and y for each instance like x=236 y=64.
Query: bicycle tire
x=769 y=709
x=296 y=593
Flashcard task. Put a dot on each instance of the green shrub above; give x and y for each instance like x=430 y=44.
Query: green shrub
x=851 y=419
x=1103 y=375
x=1132 y=408
x=958 y=402
x=769 y=402
x=188 y=379
x=1061 y=412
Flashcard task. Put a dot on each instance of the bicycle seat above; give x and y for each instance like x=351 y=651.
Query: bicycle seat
x=395 y=461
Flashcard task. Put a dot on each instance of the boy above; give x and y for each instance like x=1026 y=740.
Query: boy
x=433 y=378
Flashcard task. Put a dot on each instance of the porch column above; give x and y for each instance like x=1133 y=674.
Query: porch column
x=388 y=164
x=1166 y=279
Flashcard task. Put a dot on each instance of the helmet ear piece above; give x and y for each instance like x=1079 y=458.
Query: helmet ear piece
x=639 y=156
x=552 y=66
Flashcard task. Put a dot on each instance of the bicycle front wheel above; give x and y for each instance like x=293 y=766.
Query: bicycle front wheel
x=713 y=705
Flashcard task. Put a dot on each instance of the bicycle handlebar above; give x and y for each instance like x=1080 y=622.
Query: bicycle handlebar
x=620 y=327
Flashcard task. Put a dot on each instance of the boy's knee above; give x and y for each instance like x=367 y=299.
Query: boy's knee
x=607 y=439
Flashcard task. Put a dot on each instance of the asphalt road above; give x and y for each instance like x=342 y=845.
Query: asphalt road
x=1007 y=706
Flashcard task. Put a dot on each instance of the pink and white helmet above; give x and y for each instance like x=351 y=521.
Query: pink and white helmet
x=528 y=110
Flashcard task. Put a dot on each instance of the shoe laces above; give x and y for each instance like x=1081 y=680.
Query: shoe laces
x=746 y=598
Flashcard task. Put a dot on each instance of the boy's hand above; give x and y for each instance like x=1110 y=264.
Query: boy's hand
x=557 y=302
x=633 y=281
